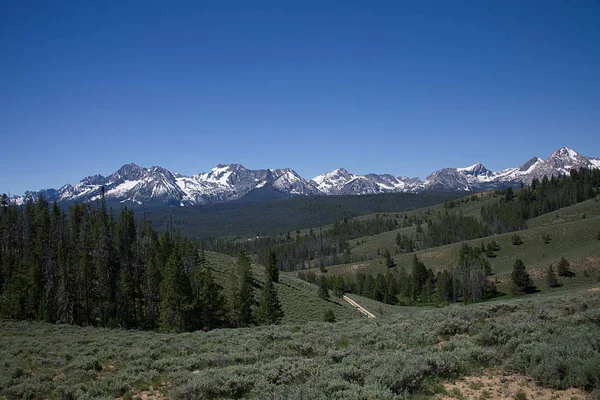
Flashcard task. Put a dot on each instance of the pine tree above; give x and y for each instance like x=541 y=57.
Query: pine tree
x=426 y=290
x=323 y=290
x=242 y=296
x=175 y=295
x=520 y=277
x=128 y=296
x=338 y=286
x=443 y=287
x=508 y=196
x=272 y=270
x=269 y=309
x=563 y=268
x=149 y=254
x=209 y=304
x=551 y=277
x=389 y=261
x=419 y=276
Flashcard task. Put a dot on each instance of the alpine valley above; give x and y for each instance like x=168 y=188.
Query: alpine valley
x=135 y=185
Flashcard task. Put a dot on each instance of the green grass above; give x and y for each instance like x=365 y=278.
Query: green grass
x=372 y=247
x=574 y=238
x=552 y=338
x=299 y=299
x=589 y=208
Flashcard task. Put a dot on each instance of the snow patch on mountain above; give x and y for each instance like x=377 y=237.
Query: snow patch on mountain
x=122 y=189
x=133 y=184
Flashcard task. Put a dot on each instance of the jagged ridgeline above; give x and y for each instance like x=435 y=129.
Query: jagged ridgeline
x=157 y=187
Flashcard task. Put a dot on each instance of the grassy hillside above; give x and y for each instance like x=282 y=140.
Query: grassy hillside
x=373 y=246
x=299 y=299
x=573 y=235
x=589 y=208
x=417 y=353
x=548 y=340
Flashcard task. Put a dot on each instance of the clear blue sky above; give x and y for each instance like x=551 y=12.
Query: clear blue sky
x=401 y=87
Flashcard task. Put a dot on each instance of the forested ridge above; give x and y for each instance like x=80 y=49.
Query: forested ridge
x=468 y=280
x=539 y=198
x=322 y=247
x=85 y=267
x=273 y=217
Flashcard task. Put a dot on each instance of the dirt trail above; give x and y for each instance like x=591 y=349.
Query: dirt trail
x=359 y=307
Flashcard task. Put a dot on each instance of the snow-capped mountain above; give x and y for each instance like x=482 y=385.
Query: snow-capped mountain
x=340 y=181
x=133 y=184
x=560 y=162
x=473 y=178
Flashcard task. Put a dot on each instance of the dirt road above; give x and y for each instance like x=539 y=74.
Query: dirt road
x=359 y=307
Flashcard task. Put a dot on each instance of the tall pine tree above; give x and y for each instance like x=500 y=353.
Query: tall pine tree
x=269 y=309
x=175 y=295
x=241 y=294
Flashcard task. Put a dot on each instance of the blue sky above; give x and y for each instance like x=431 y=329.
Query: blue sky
x=401 y=87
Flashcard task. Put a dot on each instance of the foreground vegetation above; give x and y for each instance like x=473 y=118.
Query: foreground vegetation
x=555 y=339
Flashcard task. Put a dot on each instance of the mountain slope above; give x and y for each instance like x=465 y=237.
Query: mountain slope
x=135 y=185
x=473 y=178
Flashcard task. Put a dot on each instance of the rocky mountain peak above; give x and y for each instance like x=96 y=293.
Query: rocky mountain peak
x=530 y=163
x=132 y=184
x=129 y=172
x=565 y=152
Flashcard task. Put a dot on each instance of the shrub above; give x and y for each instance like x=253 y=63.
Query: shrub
x=546 y=238
x=521 y=395
x=329 y=316
x=516 y=240
x=563 y=268
x=551 y=280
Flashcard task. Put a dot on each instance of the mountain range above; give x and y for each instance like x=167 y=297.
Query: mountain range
x=135 y=185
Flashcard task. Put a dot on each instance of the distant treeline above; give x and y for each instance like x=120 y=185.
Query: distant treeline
x=85 y=267
x=467 y=282
x=319 y=248
x=273 y=217
x=331 y=246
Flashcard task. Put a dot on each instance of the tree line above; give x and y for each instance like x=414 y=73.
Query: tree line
x=467 y=282
x=513 y=210
x=87 y=267
x=315 y=248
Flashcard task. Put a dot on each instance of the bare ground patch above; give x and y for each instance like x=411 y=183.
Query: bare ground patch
x=495 y=385
x=149 y=394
